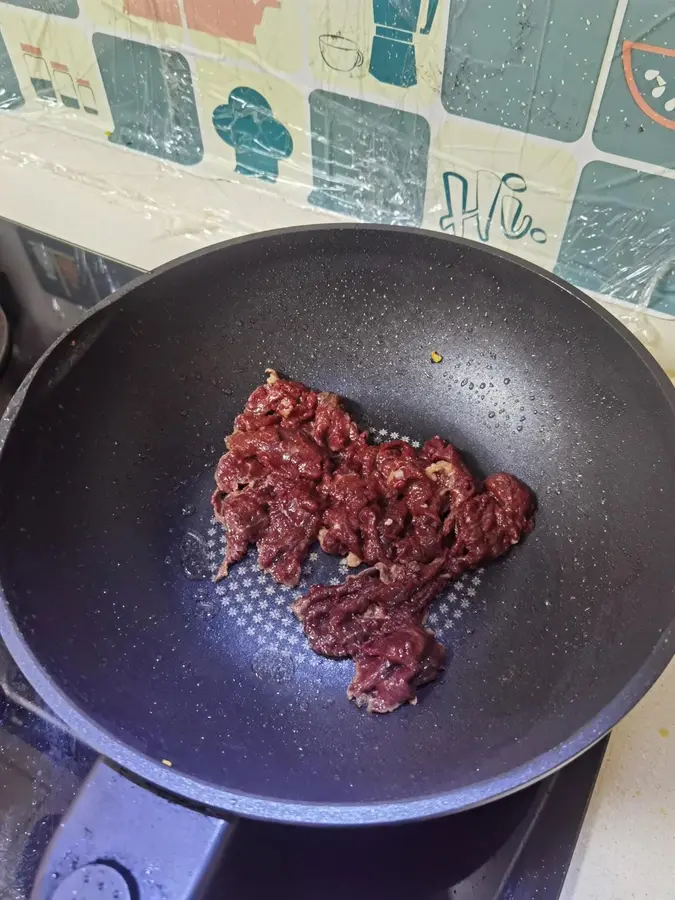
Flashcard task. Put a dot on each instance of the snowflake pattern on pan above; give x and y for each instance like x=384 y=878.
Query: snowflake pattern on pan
x=261 y=608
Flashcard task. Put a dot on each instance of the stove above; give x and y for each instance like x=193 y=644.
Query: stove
x=513 y=849
x=516 y=848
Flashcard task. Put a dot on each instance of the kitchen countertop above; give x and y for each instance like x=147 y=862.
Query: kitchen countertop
x=626 y=850
x=143 y=212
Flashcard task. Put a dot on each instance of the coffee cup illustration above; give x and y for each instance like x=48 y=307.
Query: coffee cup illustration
x=340 y=53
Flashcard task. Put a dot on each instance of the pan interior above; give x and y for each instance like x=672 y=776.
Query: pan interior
x=106 y=544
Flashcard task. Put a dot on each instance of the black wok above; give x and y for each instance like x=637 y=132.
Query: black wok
x=105 y=543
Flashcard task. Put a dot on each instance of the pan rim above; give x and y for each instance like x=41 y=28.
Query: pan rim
x=374 y=812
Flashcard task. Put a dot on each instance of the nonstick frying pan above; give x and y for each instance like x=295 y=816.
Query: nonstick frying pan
x=106 y=545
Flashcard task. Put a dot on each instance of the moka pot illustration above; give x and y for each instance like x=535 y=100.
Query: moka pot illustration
x=392 y=59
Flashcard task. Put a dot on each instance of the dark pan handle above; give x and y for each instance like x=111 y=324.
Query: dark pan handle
x=121 y=841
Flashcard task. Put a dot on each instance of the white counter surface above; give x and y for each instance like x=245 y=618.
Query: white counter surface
x=626 y=850
x=143 y=212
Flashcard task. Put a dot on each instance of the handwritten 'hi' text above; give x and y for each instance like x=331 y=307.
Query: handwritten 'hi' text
x=494 y=203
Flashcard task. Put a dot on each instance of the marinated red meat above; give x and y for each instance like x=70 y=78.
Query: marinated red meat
x=298 y=470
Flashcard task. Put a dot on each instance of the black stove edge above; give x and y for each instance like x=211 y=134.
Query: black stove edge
x=533 y=863
x=541 y=867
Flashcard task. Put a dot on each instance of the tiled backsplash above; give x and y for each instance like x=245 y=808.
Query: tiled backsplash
x=542 y=128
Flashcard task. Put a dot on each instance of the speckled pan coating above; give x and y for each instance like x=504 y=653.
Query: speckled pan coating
x=107 y=466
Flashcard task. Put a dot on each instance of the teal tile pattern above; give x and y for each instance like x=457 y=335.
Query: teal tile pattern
x=246 y=123
x=397 y=22
x=621 y=231
x=68 y=8
x=531 y=65
x=623 y=126
x=10 y=90
x=369 y=161
x=151 y=99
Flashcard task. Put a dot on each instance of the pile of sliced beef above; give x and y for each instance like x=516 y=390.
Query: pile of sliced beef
x=299 y=470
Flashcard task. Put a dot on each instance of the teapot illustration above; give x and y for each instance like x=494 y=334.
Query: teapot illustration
x=392 y=59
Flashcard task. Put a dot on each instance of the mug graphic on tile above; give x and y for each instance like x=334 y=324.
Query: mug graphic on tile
x=246 y=122
x=392 y=57
x=340 y=53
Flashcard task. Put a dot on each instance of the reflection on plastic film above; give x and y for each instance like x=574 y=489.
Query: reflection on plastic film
x=71 y=273
x=247 y=123
x=206 y=223
x=619 y=236
x=10 y=90
x=637 y=319
x=369 y=161
x=151 y=99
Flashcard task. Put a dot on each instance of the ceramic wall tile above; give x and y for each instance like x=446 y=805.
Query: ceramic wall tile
x=68 y=8
x=151 y=98
x=255 y=126
x=267 y=34
x=620 y=238
x=368 y=161
x=496 y=187
x=526 y=65
x=637 y=114
x=389 y=49
x=11 y=95
x=141 y=20
x=54 y=67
